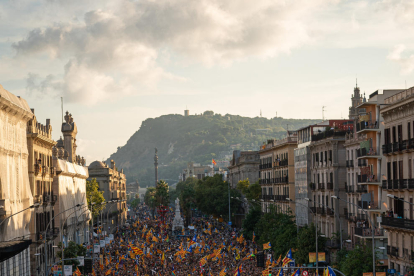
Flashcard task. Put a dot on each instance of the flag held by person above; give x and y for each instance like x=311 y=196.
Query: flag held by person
x=288 y=258
x=77 y=272
x=267 y=246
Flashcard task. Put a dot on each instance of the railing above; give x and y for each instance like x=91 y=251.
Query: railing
x=45 y=170
x=384 y=185
x=38 y=199
x=386 y=148
x=362 y=163
x=361 y=189
x=362 y=152
x=320 y=210
x=362 y=217
x=265 y=166
x=53 y=199
x=278 y=180
x=332 y=243
x=321 y=186
x=46 y=199
x=328 y=133
x=366 y=206
x=313 y=209
x=282 y=163
x=398 y=222
x=52 y=233
x=367 y=125
x=367 y=178
x=392 y=250
x=281 y=197
x=329 y=186
x=349 y=189
x=367 y=232
x=329 y=212
x=312 y=186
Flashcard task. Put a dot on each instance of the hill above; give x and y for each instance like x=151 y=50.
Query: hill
x=197 y=138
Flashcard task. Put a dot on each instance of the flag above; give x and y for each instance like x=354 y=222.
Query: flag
x=296 y=273
x=93 y=272
x=108 y=272
x=194 y=240
x=214 y=162
x=77 y=272
x=288 y=258
x=223 y=272
x=137 y=250
x=267 y=246
x=253 y=236
x=330 y=271
x=237 y=273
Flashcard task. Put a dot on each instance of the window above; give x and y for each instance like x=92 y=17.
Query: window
x=408 y=131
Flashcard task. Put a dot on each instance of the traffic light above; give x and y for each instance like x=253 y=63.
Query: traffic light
x=260 y=259
x=88 y=266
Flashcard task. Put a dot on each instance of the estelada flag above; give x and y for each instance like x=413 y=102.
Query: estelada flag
x=108 y=272
x=213 y=161
x=77 y=272
x=288 y=258
x=267 y=246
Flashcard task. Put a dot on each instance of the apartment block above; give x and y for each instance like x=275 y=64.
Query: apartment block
x=277 y=174
x=398 y=151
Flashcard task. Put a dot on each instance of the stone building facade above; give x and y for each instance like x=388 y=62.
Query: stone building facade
x=277 y=173
x=244 y=165
x=112 y=182
x=41 y=172
x=398 y=179
x=328 y=175
x=15 y=193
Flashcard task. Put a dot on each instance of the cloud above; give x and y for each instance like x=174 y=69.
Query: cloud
x=116 y=50
x=406 y=62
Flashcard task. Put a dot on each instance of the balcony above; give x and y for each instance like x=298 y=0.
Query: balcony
x=330 y=212
x=329 y=186
x=361 y=189
x=265 y=166
x=46 y=199
x=368 y=179
x=312 y=186
x=362 y=162
x=282 y=163
x=280 y=180
x=386 y=149
x=373 y=206
x=52 y=233
x=398 y=223
x=45 y=171
x=320 y=210
x=332 y=243
x=321 y=186
x=281 y=197
x=392 y=251
x=350 y=217
x=38 y=199
x=362 y=217
x=365 y=126
x=328 y=134
x=400 y=146
x=349 y=189
x=313 y=209
x=37 y=169
x=370 y=153
x=367 y=232
x=384 y=185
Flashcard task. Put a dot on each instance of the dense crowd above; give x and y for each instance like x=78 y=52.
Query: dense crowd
x=149 y=247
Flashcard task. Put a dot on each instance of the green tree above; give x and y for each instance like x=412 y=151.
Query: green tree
x=161 y=193
x=72 y=250
x=93 y=193
x=357 y=261
x=251 y=191
x=187 y=197
x=307 y=243
x=252 y=218
x=149 y=198
x=211 y=195
x=277 y=228
x=134 y=203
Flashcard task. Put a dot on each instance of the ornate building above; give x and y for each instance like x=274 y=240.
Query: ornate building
x=15 y=193
x=356 y=100
x=41 y=172
x=112 y=182
x=244 y=165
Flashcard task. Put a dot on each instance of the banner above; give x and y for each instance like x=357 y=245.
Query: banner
x=102 y=243
x=68 y=270
x=96 y=248
x=81 y=261
x=111 y=237
x=368 y=274
x=321 y=257
x=107 y=240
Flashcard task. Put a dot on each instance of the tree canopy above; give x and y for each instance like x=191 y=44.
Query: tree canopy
x=93 y=192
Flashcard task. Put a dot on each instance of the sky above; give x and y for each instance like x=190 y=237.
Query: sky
x=118 y=62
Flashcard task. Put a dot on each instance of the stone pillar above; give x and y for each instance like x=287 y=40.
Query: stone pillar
x=156 y=166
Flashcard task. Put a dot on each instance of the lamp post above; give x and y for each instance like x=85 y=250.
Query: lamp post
x=316 y=231
x=30 y=207
x=77 y=205
x=228 y=185
x=373 y=230
x=336 y=215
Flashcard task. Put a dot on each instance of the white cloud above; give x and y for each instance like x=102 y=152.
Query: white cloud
x=406 y=62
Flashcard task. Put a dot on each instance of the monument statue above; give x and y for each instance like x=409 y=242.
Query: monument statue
x=178 y=222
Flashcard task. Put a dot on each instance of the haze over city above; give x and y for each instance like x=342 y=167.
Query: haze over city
x=116 y=63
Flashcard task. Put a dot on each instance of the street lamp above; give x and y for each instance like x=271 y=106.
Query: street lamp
x=30 y=207
x=372 y=226
x=316 y=230
x=45 y=247
x=336 y=215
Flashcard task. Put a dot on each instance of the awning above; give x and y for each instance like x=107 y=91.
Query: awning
x=12 y=248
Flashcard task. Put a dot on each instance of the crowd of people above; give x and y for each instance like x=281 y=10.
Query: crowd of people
x=150 y=247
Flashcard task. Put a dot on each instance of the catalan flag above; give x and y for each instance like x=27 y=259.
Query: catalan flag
x=267 y=246
x=77 y=272
x=223 y=272
x=329 y=271
x=108 y=272
x=137 y=250
x=214 y=162
x=296 y=273
x=288 y=258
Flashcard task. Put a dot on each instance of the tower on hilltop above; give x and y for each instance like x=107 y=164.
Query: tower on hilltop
x=356 y=99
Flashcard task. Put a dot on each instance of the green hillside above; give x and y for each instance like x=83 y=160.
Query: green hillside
x=197 y=138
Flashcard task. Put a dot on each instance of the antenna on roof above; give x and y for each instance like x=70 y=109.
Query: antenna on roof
x=323 y=113
x=61 y=103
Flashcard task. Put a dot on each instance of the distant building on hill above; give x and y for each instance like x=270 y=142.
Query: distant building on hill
x=200 y=171
x=244 y=165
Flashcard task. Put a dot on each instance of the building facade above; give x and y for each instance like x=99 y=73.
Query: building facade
x=328 y=175
x=277 y=174
x=41 y=172
x=15 y=193
x=112 y=182
x=244 y=165
x=398 y=180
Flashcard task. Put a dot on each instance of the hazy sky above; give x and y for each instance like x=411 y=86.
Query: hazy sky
x=118 y=62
